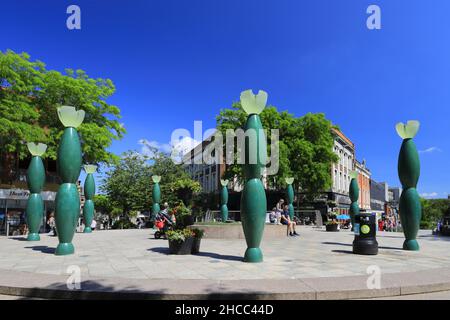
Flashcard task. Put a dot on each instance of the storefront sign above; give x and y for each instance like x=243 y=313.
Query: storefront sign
x=20 y=194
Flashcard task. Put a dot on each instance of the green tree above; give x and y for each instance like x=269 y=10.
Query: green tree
x=432 y=211
x=128 y=184
x=176 y=184
x=30 y=95
x=305 y=147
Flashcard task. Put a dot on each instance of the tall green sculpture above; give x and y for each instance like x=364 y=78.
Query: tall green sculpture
x=253 y=198
x=290 y=197
x=89 y=192
x=354 y=196
x=224 y=200
x=69 y=167
x=156 y=194
x=409 y=171
x=35 y=181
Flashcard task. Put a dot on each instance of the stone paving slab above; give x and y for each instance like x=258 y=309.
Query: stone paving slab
x=316 y=265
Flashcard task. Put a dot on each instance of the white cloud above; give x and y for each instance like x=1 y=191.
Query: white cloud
x=146 y=147
x=429 y=195
x=431 y=150
x=176 y=148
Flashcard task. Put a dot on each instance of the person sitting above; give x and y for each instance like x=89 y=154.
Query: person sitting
x=286 y=220
x=273 y=215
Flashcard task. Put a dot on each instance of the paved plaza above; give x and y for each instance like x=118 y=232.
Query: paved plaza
x=128 y=258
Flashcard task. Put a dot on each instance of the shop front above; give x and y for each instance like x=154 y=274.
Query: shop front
x=13 y=203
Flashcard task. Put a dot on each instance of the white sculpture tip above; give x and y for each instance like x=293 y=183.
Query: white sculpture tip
x=36 y=149
x=253 y=104
x=408 y=130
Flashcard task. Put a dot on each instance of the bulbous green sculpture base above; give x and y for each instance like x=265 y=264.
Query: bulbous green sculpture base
x=224 y=213
x=67 y=211
x=253 y=216
x=87 y=230
x=253 y=255
x=411 y=245
x=64 y=249
x=33 y=237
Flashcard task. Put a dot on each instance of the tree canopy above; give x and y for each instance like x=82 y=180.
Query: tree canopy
x=30 y=95
x=305 y=147
x=128 y=183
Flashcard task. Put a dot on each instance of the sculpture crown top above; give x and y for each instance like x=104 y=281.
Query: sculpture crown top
x=36 y=149
x=70 y=117
x=90 y=168
x=353 y=174
x=253 y=104
x=156 y=179
x=224 y=183
x=289 y=180
x=408 y=130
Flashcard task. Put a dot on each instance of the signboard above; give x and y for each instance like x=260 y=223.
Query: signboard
x=21 y=194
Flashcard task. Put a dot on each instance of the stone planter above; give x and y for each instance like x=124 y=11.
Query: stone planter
x=181 y=248
x=196 y=245
x=332 y=228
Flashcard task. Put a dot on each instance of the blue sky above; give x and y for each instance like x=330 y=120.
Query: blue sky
x=174 y=62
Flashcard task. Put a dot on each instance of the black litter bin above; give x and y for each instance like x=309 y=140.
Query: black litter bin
x=365 y=234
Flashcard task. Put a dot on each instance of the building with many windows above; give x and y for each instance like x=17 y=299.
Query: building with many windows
x=344 y=148
x=14 y=191
x=364 y=175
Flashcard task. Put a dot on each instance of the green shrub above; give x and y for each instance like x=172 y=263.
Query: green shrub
x=179 y=235
x=123 y=224
x=198 y=233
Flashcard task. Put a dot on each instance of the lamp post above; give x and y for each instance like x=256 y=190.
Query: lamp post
x=69 y=167
x=89 y=192
x=224 y=200
x=253 y=198
x=35 y=181
x=290 y=197
x=409 y=171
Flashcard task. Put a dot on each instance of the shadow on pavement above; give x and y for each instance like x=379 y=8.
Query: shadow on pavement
x=342 y=251
x=18 y=238
x=219 y=256
x=43 y=249
x=165 y=250
x=351 y=245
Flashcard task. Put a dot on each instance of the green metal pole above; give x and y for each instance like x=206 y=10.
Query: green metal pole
x=253 y=198
x=409 y=172
x=89 y=193
x=35 y=181
x=224 y=200
x=69 y=167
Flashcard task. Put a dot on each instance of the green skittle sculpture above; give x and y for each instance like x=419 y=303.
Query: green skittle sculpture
x=35 y=181
x=89 y=192
x=290 y=197
x=253 y=198
x=69 y=167
x=354 y=196
x=156 y=195
x=224 y=201
x=409 y=171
